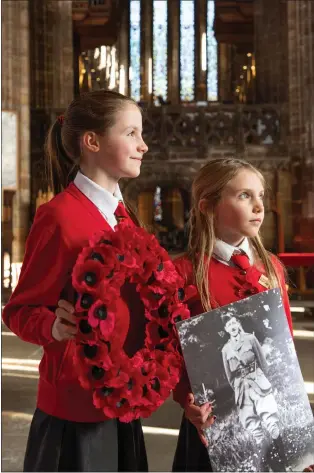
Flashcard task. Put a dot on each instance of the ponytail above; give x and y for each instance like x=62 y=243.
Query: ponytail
x=61 y=169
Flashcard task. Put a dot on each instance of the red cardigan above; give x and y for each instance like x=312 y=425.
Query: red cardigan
x=223 y=281
x=60 y=229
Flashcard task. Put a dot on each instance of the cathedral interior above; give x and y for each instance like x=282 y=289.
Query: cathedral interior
x=215 y=78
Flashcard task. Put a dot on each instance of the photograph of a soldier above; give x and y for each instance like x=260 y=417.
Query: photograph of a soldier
x=242 y=358
x=246 y=368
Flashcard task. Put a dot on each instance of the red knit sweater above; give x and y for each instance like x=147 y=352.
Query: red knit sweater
x=224 y=282
x=60 y=229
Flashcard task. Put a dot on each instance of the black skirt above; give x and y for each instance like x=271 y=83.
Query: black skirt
x=59 y=445
x=190 y=455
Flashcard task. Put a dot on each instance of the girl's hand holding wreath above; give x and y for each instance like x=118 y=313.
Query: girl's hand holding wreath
x=64 y=327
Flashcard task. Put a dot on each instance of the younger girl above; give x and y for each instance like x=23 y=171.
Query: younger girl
x=228 y=262
x=97 y=142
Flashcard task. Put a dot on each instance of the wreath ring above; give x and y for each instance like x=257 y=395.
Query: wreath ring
x=128 y=387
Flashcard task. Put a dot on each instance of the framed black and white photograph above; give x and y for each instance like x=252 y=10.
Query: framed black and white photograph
x=242 y=358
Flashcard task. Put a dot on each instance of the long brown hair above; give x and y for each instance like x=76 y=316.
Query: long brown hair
x=92 y=111
x=208 y=184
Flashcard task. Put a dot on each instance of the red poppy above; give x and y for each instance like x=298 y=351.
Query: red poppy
x=179 y=312
x=152 y=296
x=95 y=353
x=87 y=276
x=246 y=291
x=155 y=333
x=102 y=315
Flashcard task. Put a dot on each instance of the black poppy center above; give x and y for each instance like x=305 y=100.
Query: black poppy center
x=85 y=327
x=178 y=318
x=90 y=351
x=107 y=391
x=130 y=384
x=181 y=294
x=144 y=372
x=106 y=242
x=151 y=280
x=145 y=390
x=162 y=333
x=86 y=301
x=109 y=275
x=101 y=312
x=157 y=296
x=120 y=258
x=163 y=311
x=160 y=346
x=160 y=267
x=121 y=402
x=156 y=384
x=97 y=257
x=90 y=278
x=97 y=372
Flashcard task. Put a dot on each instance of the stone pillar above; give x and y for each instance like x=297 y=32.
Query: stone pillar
x=284 y=38
x=225 y=56
x=174 y=52
x=52 y=82
x=300 y=14
x=16 y=98
x=271 y=50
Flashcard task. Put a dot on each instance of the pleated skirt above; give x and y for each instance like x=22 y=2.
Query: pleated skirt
x=59 y=445
x=191 y=454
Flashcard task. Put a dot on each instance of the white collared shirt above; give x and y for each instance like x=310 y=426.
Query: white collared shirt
x=105 y=202
x=223 y=251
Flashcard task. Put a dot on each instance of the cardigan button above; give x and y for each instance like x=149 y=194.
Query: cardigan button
x=243 y=272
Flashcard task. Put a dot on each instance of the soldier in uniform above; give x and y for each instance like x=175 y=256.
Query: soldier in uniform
x=245 y=366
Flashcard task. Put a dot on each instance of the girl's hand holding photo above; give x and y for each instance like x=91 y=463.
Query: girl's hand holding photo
x=200 y=416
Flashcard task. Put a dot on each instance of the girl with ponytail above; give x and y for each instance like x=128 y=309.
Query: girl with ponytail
x=97 y=142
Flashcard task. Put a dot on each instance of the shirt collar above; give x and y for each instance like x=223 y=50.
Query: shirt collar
x=106 y=202
x=224 y=251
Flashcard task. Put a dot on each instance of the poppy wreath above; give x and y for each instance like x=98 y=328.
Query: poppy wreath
x=128 y=387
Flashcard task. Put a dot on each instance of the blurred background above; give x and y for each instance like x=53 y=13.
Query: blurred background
x=215 y=78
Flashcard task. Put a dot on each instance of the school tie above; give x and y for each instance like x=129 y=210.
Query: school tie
x=241 y=260
x=121 y=212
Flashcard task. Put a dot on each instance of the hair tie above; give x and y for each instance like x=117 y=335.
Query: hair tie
x=60 y=119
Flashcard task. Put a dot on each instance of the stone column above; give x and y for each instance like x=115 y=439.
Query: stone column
x=52 y=82
x=300 y=14
x=174 y=52
x=16 y=98
x=271 y=50
x=284 y=38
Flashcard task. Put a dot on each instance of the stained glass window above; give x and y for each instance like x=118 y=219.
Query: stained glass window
x=212 y=72
x=160 y=45
x=135 y=49
x=187 y=46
